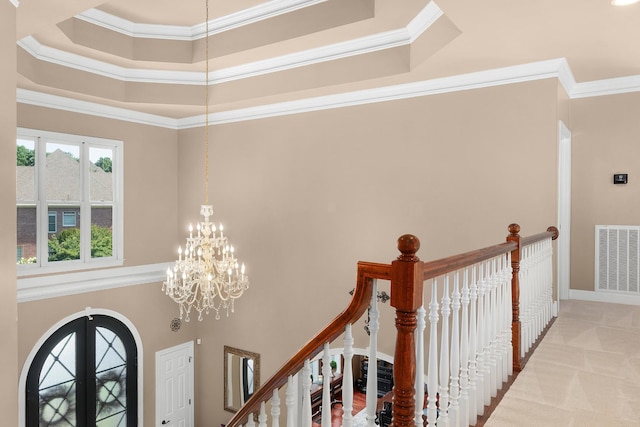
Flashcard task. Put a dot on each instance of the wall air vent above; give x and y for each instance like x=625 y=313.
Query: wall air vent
x=617 y=262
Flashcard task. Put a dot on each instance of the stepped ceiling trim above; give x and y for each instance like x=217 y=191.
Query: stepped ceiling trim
x=355 y=47
x=607 y=87
x=554 y=68
x=174 y=32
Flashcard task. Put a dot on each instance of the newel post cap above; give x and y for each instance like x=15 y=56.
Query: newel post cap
x=408 y=245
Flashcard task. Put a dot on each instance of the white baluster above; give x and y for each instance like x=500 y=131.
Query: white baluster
x=492 y=328
x=455 y=353
x=291 y=402
x=465 y=398
x=306 y=394
x=486 y=336
x=443 y=420
x=432 y=381
x=326 y=388
x=480 y=332
x=250 y=421
x=473 y=345
x=347 y=380
x=419 y=383
x=262 y=418
x=275 y=409
x=372 y=370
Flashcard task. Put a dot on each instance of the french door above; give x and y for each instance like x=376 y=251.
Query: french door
x=85 y=374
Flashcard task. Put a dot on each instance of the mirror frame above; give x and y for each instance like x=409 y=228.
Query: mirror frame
x=228 y=351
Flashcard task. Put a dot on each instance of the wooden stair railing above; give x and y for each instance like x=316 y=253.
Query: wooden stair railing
x=360 y=300
x=407 y=274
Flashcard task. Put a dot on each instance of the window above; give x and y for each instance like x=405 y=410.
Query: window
x=68 y=219
x=68 y=201
x=85 y=374
x=53 y=226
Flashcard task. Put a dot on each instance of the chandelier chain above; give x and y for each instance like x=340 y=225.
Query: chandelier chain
x=206 y=107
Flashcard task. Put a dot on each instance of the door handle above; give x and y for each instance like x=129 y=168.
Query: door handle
x=165 y=422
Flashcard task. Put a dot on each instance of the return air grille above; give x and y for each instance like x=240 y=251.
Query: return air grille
x=618 y=258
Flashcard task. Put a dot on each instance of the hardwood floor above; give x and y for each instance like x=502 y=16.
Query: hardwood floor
x=359 y=402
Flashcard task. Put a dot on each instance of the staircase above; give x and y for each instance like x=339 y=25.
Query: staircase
x=464 y=324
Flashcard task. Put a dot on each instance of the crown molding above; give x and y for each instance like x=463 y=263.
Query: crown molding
x=56 y=102
x=554 y=68
x=248 y=16
x=508 y=75
x=607 y=87
x=82 y=63
x=425 y=18
x=58 y=285
x=16 y=3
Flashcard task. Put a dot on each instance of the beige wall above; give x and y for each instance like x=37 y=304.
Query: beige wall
x=304 y=197
x=605 y=133
x=8 y=306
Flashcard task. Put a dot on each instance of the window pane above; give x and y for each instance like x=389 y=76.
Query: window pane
x=111 y=376
x=26 y=234
x=101 y=166
x=25 y=201
x=25 y=171
x=64 y=244
x=101 y=231
x=57 y=385
x=63 y=172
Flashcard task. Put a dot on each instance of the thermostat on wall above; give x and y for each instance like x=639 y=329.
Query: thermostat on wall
x=620 y=178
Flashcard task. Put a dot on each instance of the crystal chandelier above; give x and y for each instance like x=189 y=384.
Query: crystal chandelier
x=207 y=276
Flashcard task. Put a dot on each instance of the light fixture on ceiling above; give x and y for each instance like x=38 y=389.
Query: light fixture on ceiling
x=207 y=276
x=623 y=2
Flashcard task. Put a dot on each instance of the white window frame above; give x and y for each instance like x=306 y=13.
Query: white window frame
x=43 y=266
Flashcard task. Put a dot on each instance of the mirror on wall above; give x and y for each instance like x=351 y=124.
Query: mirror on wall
x=241 y=377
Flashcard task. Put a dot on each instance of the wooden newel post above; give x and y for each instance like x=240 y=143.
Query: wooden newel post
x=513 y=236
x=406 y=297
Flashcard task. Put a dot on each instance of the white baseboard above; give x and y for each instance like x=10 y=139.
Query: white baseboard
x=609 y=297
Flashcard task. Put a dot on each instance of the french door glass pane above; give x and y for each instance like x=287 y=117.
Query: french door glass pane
x=57 y=385
x=111 y=375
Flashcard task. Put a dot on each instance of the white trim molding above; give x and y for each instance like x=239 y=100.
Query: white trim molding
x=553 y=68
x=609 y=297
x=16 y=3
x=248 y=16
x=58 y=285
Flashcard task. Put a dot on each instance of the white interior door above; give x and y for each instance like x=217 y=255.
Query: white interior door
x=174 y=386
x=564 y=211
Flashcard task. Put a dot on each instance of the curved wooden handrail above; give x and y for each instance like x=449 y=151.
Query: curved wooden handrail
x=359 y=303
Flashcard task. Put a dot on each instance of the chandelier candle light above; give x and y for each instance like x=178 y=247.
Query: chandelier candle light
x=207 y=275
